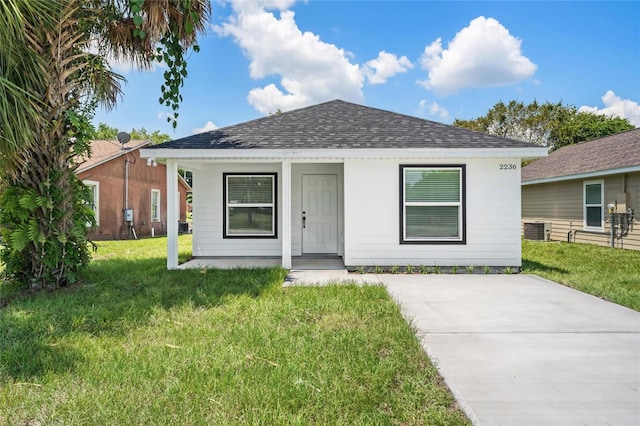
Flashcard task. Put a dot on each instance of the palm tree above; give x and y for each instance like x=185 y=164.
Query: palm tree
x=54 y=72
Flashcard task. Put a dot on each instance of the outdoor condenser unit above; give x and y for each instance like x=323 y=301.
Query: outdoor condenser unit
x=537 y=231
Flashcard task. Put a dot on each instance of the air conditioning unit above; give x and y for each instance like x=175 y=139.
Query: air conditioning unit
x=537 y=231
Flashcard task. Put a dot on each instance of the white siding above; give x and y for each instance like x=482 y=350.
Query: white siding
x=369 y=214
x=208 y=210
x=372 y=216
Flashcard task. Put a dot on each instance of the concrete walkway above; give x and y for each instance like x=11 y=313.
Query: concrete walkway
x=518 y=349
x=521 y=350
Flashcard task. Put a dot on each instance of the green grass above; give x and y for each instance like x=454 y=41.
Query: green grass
x=612 y=274
x=136 y=344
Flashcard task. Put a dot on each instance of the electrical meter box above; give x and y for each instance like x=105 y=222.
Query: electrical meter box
x=622 y=202
x=128 y=215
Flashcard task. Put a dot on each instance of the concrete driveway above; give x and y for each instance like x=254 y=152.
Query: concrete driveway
x=522 y=350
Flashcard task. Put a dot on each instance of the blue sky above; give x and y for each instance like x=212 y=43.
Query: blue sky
x=435 y=60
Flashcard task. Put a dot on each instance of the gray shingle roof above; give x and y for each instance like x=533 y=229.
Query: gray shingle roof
x=611 y=152
x=340 y=125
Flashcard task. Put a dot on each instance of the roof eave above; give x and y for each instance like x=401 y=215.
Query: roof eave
x=586 y=175
x=108 y=158
x=370 y=153
x=184 y=183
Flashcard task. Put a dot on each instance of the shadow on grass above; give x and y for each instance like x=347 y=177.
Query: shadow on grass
x=530 y=267
x=38 y=332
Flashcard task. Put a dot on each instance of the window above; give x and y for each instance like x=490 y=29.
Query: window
x=94 y=199
x=250 y=205
x=432 y=204
x=593 y=204
x=155 y=205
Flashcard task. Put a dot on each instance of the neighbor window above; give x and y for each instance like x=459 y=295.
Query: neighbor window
x=593 y=205
x=94 y=199
x=432 y=204
x=249 y=205
x=155 y=205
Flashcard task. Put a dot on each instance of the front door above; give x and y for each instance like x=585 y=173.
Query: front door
x=320 y=214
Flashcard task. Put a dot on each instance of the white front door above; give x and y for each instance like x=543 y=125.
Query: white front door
x=320 y=214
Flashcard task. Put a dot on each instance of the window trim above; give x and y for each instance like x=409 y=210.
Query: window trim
x=585 y=205
x=225 y=209
x=159 y=218
x=462 y=219
x=96 y=200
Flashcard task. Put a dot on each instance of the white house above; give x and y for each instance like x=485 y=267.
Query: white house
x=367 y=185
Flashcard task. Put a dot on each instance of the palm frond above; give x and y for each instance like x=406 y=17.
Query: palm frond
x=160 y=17
x=22 y=72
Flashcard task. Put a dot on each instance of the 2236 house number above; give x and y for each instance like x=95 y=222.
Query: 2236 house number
x=508 y=166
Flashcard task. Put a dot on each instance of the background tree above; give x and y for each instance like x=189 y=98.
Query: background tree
x=584 y=126
x=106 y=132
x=53 y=74
x=547 y=124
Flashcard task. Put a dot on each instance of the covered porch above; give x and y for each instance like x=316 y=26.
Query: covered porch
x=299 y=225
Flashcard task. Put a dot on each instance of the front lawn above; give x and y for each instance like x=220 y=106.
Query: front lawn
x=613 y=274
x=136 y=344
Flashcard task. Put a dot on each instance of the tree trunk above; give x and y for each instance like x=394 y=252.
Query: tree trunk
x=42 y=207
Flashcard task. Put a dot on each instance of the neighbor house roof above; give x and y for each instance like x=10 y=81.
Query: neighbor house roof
x=338 y=125
x=616 y=153
x=105 y=150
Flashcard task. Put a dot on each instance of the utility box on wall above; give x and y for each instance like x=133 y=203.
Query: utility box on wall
x=128 y=215
x=622 y=202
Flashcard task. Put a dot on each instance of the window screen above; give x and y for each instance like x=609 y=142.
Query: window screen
x=593 y=205
x=432 y=203
x=250 y=205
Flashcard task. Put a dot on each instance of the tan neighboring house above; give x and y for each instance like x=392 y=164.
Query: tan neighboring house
x=571 y=194
x=129 y=192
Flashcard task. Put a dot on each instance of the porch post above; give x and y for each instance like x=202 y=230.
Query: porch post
x=172 y=214
x=285 y=233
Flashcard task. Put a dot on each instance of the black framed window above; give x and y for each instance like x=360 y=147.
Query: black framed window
x=250 y=205
x=432 y=204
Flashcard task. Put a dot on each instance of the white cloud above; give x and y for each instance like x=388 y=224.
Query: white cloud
x=257 y=5
x=163 y=115
x=385 y=66
x=438 y=110
x=433 y=109
x=208 y=126
x=616 y=106
x=482 y=54
x=310 y=70
x=121 y=66
x=166 y=116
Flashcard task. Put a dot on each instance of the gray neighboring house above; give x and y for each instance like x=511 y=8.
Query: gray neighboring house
x=571 y=190
x=337 y=179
